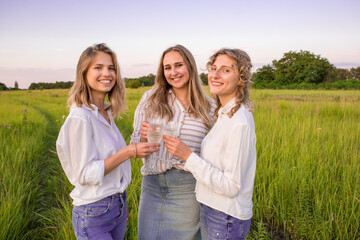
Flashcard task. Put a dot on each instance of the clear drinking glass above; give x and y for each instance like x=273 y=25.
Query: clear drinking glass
x=169 y=129
x=154 y=135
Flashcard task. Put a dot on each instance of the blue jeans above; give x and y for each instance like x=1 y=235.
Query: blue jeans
x=219 y=225
x=104 y=219
x=168 y=207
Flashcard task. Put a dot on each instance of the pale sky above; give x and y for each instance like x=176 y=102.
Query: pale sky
x=41 y=40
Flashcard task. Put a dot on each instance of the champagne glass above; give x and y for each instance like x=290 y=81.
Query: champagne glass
x=169 y=129
x=154 y=134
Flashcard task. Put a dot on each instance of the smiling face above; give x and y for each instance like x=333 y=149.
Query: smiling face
x=223 y=78
x=175 y=70
x=101 y=75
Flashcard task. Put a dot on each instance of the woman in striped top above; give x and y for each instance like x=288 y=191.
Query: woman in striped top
x=168 y=207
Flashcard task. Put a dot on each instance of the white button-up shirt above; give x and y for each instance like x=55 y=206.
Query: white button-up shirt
x=225 y=169
x=85 y=140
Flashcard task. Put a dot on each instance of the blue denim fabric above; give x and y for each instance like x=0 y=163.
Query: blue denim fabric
x=219 y=225
x=168 y=207
x=104 y=219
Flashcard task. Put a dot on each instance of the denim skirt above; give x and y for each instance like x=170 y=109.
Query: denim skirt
x=104 y=219
x=168 y=207
x=218 y=225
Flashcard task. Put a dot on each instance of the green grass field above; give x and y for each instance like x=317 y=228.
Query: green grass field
x=307 y=182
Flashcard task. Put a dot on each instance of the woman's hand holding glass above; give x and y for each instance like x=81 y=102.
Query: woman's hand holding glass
x=144 y=149
x=143 y=131
x=170 y=129
x=151 y=132
x=177 y=147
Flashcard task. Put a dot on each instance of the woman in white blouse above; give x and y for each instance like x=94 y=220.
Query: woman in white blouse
x=225 y=169
x=168 y=207
x=93 y=152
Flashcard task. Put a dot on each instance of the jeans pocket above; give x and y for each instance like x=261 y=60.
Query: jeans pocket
x=96 y=210
x=78 y=223
x=122 y=206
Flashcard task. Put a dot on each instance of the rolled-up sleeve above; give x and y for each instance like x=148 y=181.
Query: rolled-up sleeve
x=78 y=153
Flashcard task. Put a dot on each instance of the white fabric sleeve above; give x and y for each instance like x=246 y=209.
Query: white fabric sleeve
x=226 y=181
x=139 y=116
x=78 y=153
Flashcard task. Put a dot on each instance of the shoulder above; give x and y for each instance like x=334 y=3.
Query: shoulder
x=79 y=113
x=243 y=117
x=146 y=95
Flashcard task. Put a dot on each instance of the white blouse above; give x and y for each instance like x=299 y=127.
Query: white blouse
x=190 y=130
x=225 y=169
x=85 y=140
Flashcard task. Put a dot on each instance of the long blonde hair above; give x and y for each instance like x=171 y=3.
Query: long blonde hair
x=243 y=68
x=80 y=92
x=158 y=99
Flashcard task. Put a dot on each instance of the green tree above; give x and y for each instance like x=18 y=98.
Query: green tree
x=263 y=76
x=342 y=74
x=134 y=83
x=355 y=73
x=204 y=78
x=301 y=67
x=16 y=85
x=3 y=87
x=57 y=85
x=148 y=80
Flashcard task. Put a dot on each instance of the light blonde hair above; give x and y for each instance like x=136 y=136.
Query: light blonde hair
x=243 y=68
x=80 y=92
x=199 y=102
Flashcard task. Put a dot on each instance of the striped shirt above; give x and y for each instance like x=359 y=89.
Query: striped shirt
x=190 y=130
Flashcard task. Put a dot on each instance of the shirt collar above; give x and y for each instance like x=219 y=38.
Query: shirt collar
x=175 y=99
x=95 y=111
x=226 y=109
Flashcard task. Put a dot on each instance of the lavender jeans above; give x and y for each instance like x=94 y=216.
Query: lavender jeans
x=104 y=219
x=219 y=225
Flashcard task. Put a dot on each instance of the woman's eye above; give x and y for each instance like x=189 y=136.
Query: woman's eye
x=167 y=68
x=212 y=69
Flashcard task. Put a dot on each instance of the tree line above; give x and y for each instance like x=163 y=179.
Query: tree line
x=305 y=70
x=295 y=70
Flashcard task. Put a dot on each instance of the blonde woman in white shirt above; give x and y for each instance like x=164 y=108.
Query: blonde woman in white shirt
x=168 y=207
x=225 y=169
x=93 y=152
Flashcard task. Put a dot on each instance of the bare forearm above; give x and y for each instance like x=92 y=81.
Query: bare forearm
x=115 y=160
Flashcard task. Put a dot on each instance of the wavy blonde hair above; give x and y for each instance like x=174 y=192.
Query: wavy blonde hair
x=80 y=92
x=199 y=102
x=243 y=68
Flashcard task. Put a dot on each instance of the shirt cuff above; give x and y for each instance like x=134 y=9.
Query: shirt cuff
x=191 y=162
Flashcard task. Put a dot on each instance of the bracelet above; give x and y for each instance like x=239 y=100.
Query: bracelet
x=134 y=149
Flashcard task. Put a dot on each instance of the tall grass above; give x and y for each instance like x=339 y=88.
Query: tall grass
x=307 y=179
